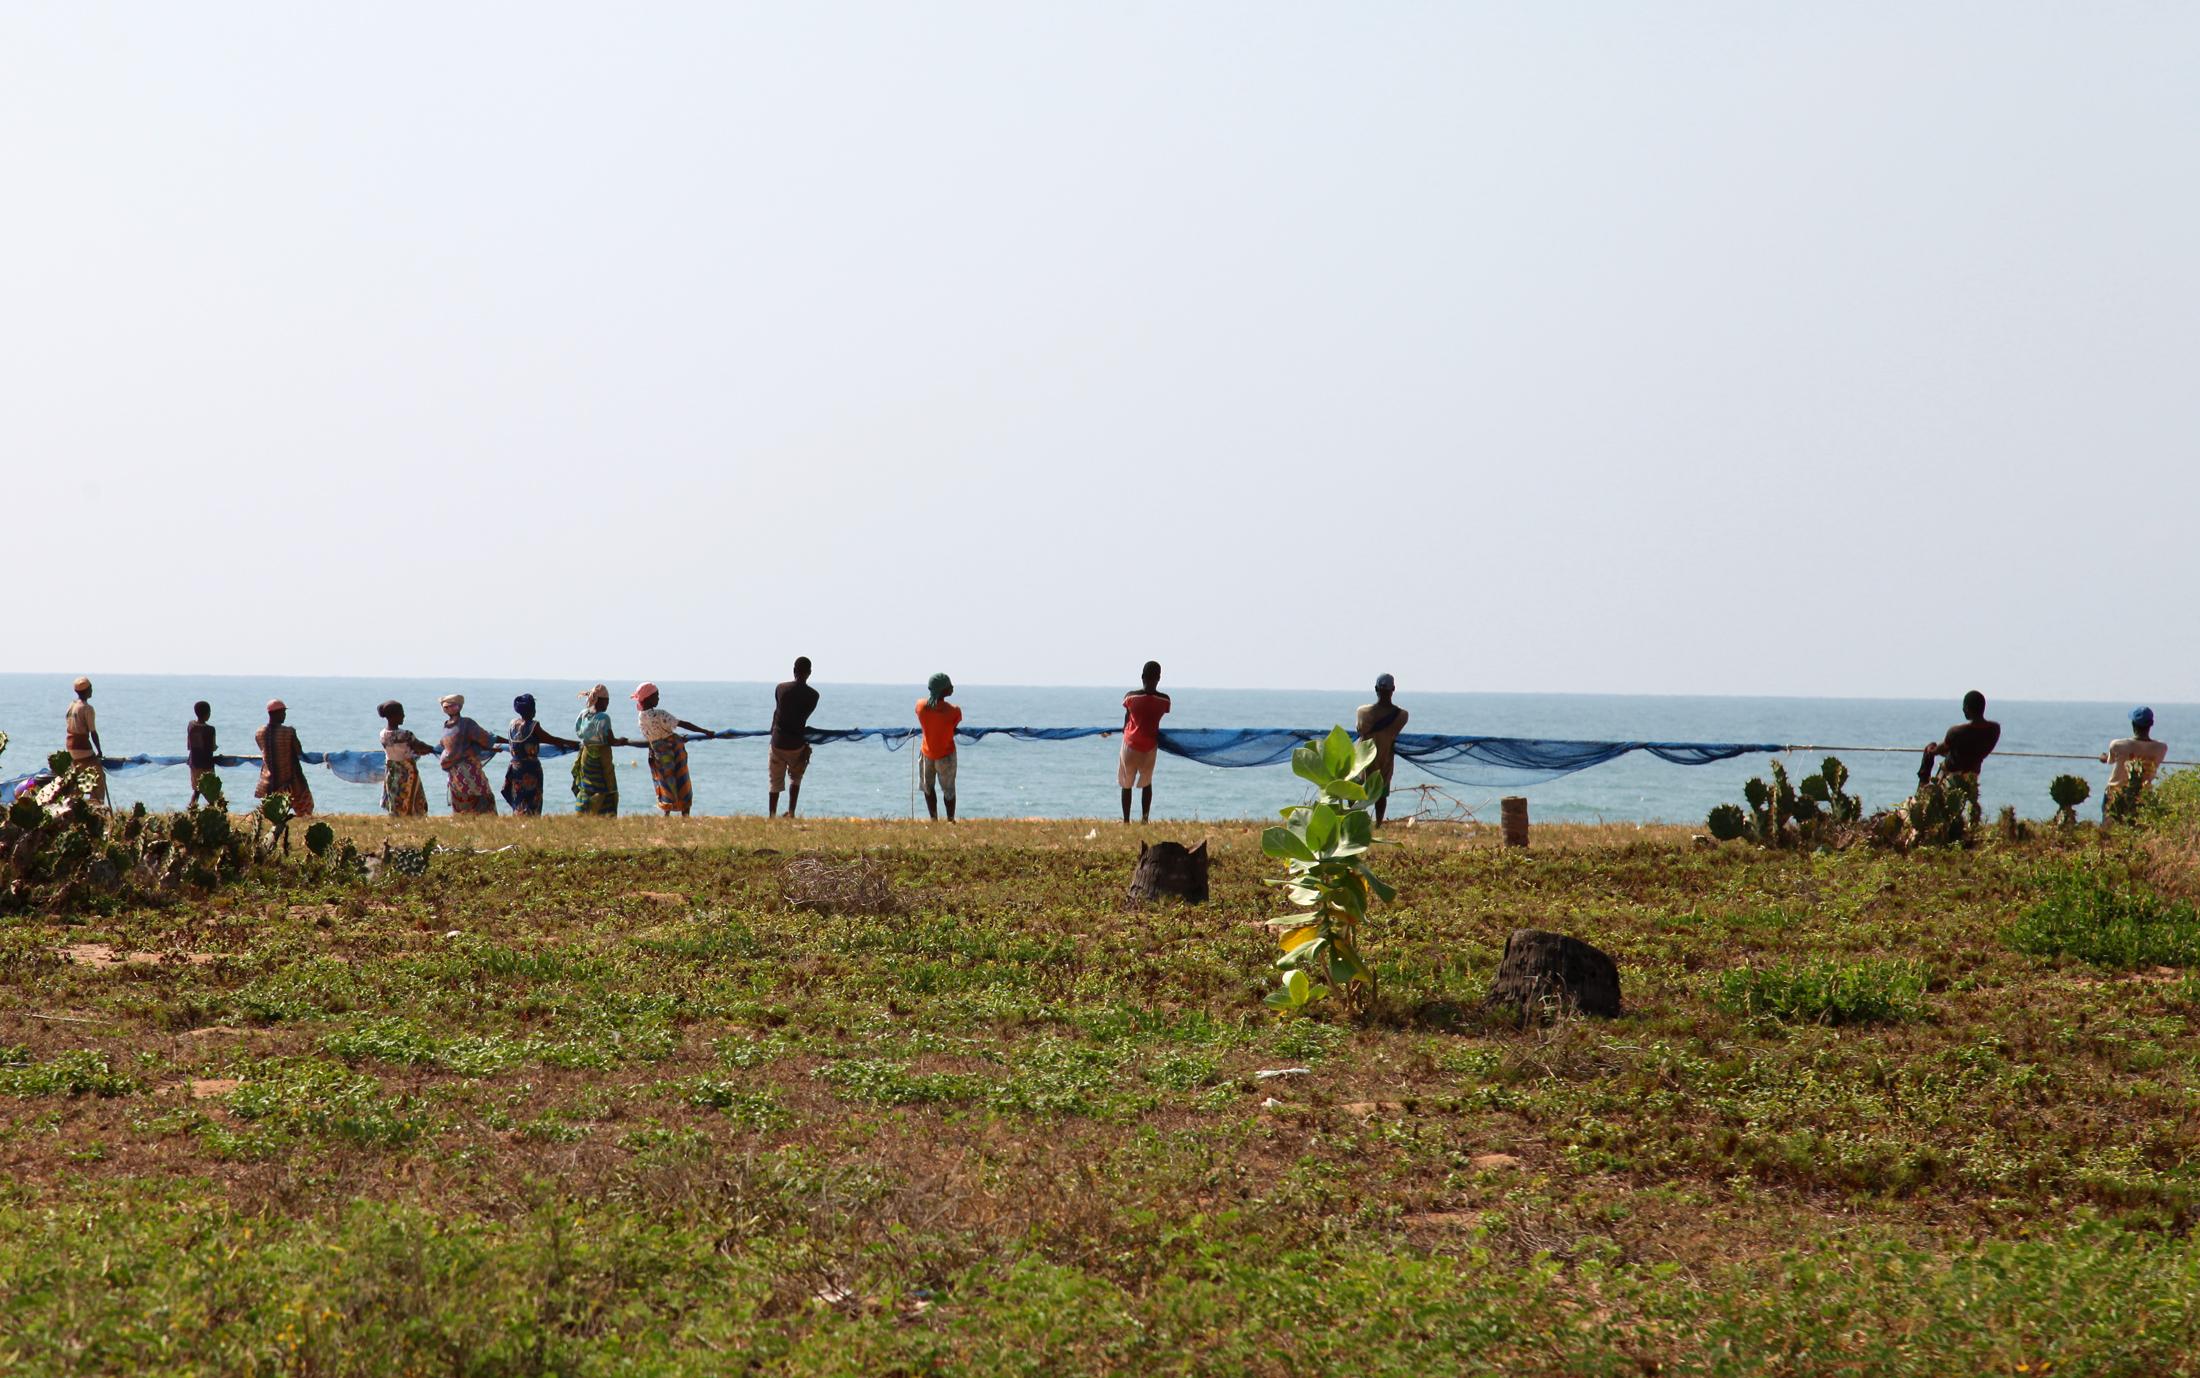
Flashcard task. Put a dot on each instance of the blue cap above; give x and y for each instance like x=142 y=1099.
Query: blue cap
x=2142 y=717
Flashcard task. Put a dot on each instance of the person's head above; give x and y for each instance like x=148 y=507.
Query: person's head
x=644 y=695
x=453 y=705
x=1974 y=706
x=202 y=710
x=392 y=712
x=83 y=687
x=598 y=698
x=277 y=710
x=2142 y=720
x=802 y=669
x=524 y=705
x=939 y=687
x=1385 y=685
x=1150 y=676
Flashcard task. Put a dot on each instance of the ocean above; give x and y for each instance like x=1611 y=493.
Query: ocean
x=146 y=713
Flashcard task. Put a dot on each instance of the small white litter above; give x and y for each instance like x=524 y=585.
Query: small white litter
x=1272 y=1073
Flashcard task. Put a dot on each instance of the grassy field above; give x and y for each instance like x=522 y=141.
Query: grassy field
x=595 y=1099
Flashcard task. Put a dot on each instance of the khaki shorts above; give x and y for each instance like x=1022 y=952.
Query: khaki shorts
x=788 y=765
x=940 y=774
x=1135 y=768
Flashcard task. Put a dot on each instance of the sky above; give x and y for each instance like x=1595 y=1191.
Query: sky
x=1656 y=348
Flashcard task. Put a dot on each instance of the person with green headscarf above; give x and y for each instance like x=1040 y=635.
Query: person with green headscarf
x=937 y=718
x=595 y=782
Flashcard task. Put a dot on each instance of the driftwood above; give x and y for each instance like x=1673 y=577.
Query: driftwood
x=1170 y=869
x=1549 y=973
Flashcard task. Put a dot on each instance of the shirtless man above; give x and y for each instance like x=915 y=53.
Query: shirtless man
x=1380 y=722
x=80 y=728
x=1966 y=746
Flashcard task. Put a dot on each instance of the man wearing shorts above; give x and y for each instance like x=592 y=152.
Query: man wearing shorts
x=793 y=702
x=1381 y=722
x=1143 y=709
x=936 y=757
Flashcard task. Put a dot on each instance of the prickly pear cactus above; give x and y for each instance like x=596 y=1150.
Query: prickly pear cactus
x=2068 y=791
x=1728 y=823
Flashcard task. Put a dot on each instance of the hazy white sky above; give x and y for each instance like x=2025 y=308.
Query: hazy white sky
x=1655 y=348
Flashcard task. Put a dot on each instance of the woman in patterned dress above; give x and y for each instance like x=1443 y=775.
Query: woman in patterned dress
x=282 y=761
x=523 y=777
x=402 y=794
x=668 y=753
x=466 y=744
x=595 y=784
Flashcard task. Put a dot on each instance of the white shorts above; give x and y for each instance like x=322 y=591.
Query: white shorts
x=1135 y=768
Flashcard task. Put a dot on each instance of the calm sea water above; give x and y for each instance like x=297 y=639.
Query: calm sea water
x=146 y=713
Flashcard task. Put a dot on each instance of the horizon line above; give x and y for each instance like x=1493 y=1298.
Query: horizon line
x=1185 y=688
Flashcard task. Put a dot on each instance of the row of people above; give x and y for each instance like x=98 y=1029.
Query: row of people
x=463 y=747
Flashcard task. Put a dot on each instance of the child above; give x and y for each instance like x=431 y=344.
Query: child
x=403 y=796
x=198 y=748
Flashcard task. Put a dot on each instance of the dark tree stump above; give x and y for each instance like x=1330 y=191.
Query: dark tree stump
x=1552 y=973
x=1170 y=869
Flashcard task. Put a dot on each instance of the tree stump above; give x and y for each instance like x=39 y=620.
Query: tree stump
x=1170 y=869
x=1550 y=973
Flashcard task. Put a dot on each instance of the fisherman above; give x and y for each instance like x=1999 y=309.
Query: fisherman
x=1380 y=722
x=792 y=704
x=668 y=754
x=80 y=726
x=1143 y=710
x=2137 y=755
x=936 y=755
x=466 y=744
x=282 y=761
x=523 y=777
x=595 y=782
x=403 y=796
x=199 y=748
x=1966 y=746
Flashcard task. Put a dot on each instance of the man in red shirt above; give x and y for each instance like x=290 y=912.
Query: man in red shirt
x=1143 y=710
x=938 y=720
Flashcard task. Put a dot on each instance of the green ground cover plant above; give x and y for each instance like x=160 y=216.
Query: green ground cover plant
x=605 y=1103
x=1825 y=992
x=2102 y=913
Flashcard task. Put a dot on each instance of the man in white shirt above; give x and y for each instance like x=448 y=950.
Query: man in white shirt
x=2136 y=756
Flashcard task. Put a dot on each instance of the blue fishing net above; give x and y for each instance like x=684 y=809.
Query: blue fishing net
x=1493 y=761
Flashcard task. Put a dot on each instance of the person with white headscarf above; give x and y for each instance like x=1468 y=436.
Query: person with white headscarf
x=466 y=744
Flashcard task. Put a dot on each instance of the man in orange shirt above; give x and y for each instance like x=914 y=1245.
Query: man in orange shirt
x=1143 y=710
x=936 y=756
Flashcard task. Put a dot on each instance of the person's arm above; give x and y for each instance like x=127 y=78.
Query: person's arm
x=560 y=742
x=684 y=725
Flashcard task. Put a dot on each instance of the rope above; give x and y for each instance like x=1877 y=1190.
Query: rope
x=2025 y=755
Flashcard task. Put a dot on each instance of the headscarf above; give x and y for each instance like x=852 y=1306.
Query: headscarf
x=2142 y=718
x=642 y=691
x=524 y=705
x=936 y=688
x=83 y=684
x=453 y=704
x=277 y=706
x=589 y=695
